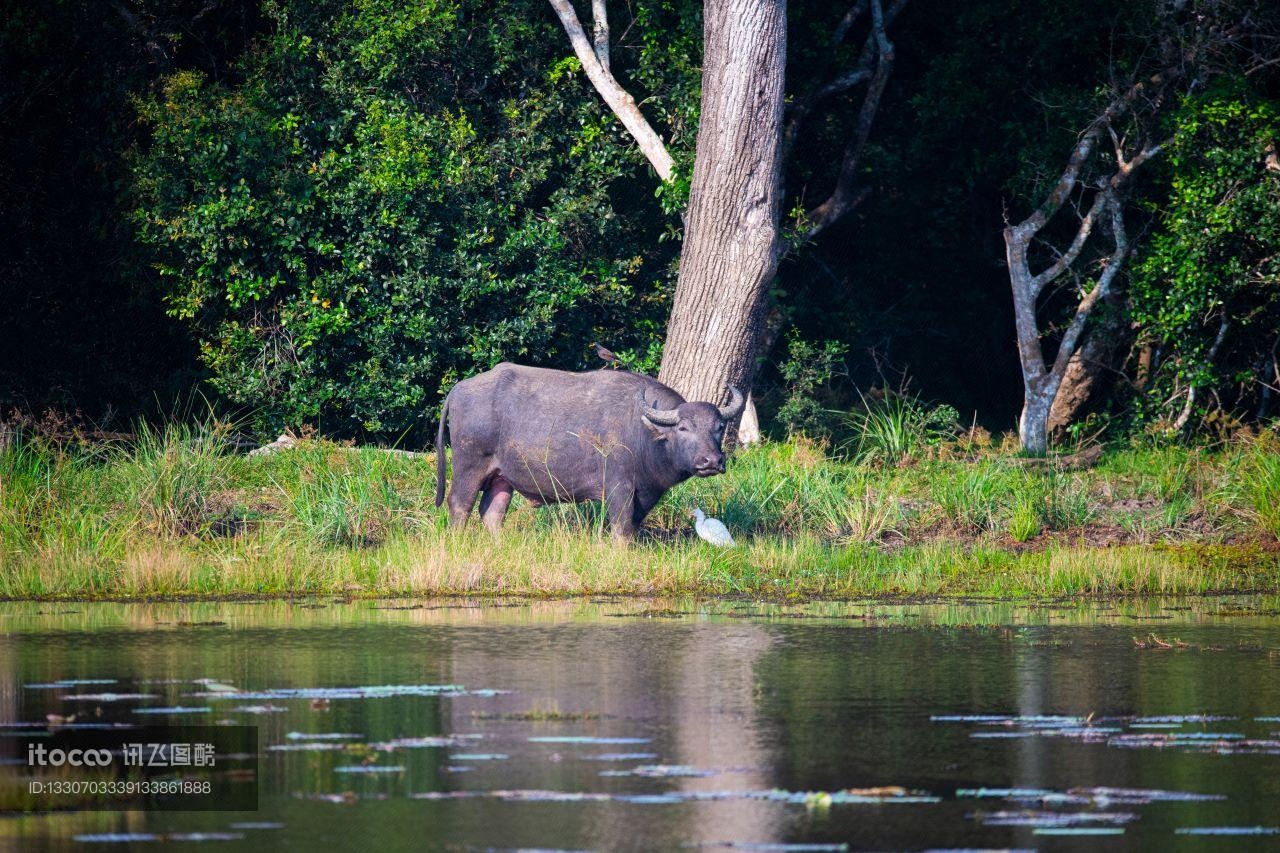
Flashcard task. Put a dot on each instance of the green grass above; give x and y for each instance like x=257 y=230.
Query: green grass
x=177 y=514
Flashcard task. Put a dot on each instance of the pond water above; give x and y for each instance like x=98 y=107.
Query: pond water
x=677 y=724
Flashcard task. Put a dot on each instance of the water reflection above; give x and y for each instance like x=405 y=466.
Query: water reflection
x=676 y=722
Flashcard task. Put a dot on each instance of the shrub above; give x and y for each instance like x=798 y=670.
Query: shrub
x=807 y=370
x=349 y=229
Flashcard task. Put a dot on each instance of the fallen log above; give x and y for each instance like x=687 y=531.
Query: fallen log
x=1086 y=458
x=288 y=441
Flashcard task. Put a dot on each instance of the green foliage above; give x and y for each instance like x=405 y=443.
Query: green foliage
x=896 y=426
x=1215 y=254
x=393 y=195
x=177 y=475
x=1253 y=487
x=807 y=370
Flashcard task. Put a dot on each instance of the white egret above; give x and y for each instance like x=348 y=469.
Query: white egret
x=712 y=530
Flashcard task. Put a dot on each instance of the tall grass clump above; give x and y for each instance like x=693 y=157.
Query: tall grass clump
x=973 y=497
x=896 y=427
x=346 y=499
x=57 y=530
x=27 y=492
x=1049 y=501
x=859 y=509
x=177 y=477
x=1252 y=485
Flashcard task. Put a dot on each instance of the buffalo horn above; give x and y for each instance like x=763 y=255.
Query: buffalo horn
x=736 y=402
x=661 y=417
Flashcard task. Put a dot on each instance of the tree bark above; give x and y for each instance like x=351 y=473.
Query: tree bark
x=749 y=424
x=1090 y=365
x=731 y=244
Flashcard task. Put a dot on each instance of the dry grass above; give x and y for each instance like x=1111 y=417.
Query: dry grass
x=181 y=516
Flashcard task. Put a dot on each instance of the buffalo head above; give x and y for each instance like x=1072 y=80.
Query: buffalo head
x=694 y=432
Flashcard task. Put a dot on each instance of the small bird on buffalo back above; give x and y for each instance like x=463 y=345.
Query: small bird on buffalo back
x=607 y=355
x=712 y=530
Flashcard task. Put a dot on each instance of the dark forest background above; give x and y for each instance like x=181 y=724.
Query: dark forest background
x=327 y=212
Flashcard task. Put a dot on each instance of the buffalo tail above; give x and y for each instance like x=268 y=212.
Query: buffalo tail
x=440 y=452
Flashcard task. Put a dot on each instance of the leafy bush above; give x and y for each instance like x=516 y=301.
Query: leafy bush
x=390 y=196
x=808 y=368
x=1204 y=290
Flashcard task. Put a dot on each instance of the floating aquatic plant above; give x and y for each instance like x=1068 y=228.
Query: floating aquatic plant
x=384 y=691
x=586 y=739
x=176 y=709
x=659 y=771
x=1228 y=830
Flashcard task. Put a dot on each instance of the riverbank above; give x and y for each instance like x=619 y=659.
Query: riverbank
x=175 y=514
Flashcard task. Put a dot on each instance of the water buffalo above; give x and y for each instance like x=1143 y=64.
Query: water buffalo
x=613 y=436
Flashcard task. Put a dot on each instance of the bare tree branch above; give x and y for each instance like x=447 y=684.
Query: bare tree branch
x=1067 y=347
x=1067 y=258
x=844 y=197
x=850 y=18
x=1084 y=147
x=1126 y=169
x=600 y=30
x=1193 y=390
x=618 y=99
x=840 y=84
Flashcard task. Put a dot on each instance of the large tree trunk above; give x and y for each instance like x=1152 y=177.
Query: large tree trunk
x=1033 y=424
x=1091 y=366
x=730 y=250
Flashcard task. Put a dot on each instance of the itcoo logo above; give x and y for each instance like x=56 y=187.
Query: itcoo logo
x=38 y=755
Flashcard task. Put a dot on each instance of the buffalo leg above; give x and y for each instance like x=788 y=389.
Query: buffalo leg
x=641 y=507
x=493 y=505
x=462 y=494
x=621 y=508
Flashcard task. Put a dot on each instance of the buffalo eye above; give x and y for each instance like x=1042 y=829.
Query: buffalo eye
x=682 y=428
